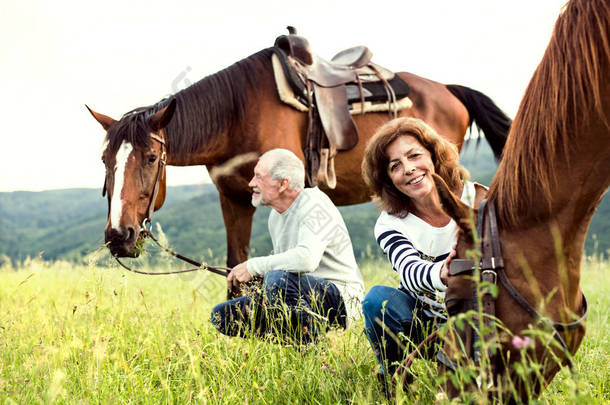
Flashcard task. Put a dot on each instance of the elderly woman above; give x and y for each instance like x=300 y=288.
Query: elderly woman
x=413 y=231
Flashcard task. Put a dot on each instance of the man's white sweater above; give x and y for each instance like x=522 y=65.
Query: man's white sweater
x=311 y=237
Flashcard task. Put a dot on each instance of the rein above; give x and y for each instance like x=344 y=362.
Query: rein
x=223 y=271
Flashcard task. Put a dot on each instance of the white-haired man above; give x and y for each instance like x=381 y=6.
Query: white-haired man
x=312 y=279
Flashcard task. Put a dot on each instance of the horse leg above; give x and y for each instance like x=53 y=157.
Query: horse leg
x=237 y=215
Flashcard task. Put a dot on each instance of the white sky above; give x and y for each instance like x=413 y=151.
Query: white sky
x=118 y=55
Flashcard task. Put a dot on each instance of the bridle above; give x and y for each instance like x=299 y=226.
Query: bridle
x=491 y=270
x=147 y=222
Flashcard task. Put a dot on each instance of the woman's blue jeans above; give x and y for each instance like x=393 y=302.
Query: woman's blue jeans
x=388 y=313
x=291 y=305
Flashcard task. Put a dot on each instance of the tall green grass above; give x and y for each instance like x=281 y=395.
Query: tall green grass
x=99 y=334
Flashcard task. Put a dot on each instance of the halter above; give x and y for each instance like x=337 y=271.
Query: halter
x=491 y=266
x=220 y=270
x=151 y=204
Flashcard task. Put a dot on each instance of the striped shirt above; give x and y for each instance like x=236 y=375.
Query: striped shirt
x=417 y=252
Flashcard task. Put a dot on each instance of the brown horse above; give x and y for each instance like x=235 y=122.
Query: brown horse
x=237 y=111
x=552 y=176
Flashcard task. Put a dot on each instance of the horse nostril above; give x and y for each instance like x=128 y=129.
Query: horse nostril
x=130 y=233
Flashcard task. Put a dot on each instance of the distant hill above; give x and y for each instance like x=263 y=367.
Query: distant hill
x=64 y=224
x=68 y=224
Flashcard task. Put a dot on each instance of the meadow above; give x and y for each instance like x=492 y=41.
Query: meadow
x=98 y=334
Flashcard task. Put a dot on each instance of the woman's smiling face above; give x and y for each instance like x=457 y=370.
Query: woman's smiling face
x=410 y=167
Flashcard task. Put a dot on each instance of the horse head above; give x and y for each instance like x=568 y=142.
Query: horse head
x=515 y=312
x=135 y=156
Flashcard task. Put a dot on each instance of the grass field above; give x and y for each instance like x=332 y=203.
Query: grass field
x=93 y=334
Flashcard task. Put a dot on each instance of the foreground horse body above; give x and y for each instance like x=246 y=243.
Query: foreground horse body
x=551 y=179
x=237 y=111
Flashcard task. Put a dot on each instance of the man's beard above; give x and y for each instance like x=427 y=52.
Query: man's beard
x=257 y=199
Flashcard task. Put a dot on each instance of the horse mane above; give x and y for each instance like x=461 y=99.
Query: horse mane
x=204 y=110
x=565 y=86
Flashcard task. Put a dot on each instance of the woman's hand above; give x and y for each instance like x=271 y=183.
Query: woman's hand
x=445 y=268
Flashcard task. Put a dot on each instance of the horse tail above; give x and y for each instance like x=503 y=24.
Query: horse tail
x=486 y=114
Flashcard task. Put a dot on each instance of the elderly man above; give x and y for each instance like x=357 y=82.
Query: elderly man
x=312 y=279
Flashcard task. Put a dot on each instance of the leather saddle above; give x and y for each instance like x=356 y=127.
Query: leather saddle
x=325 y=88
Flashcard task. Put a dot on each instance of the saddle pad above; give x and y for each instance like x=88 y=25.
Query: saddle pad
x=284 y=89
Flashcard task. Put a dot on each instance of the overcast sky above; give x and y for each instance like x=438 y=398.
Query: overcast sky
x=118 y=55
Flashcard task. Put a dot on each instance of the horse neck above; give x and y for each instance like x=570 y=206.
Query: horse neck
x=210 y=110
x=189 y=140
x=554 y=169
x=548 y=240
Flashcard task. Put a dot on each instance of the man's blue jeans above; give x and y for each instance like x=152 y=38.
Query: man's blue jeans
x=387 y=313
x=288 y=305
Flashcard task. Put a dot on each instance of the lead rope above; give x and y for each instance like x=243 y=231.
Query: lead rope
x=220 y=270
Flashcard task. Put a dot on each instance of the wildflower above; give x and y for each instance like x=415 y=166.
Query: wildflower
x=521 y=342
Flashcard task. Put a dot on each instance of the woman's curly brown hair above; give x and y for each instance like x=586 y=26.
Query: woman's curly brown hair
x=444 y=155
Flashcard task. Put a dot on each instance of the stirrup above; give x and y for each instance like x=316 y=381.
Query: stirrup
x=326 y=172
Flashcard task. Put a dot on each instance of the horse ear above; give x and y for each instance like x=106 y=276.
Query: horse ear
x=453 y=206
x=104 y=120
x=163 y=116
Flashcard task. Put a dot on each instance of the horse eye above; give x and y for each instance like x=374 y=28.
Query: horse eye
x=152 y=159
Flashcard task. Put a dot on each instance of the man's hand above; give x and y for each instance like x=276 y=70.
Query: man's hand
x=238 y=275
x=445 y=268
